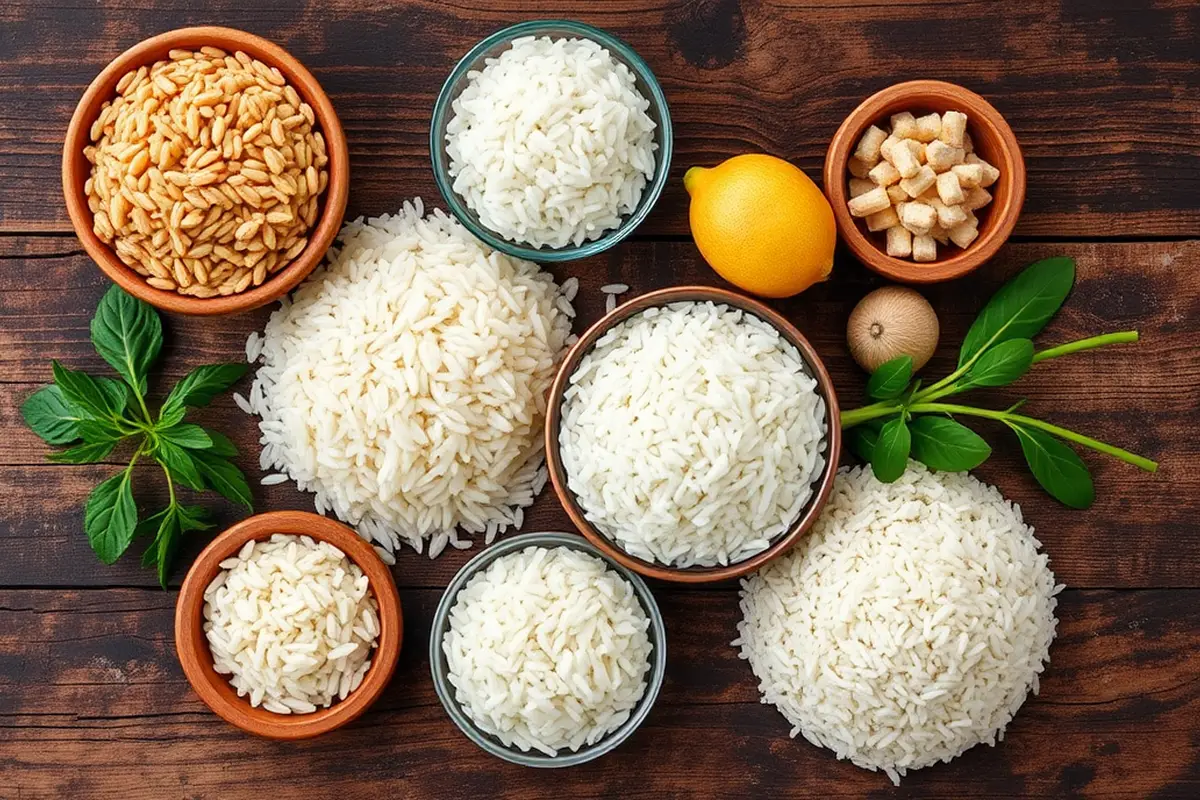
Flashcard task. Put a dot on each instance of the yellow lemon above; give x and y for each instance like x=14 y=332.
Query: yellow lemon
x=762 y=224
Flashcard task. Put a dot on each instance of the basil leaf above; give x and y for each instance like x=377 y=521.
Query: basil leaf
x=180 y=464
x=941 y=443
x=889 y=380
x=223 y=477
x=99 y=431
x=1021 y=307
x=50 y=416
x=116 y=394
x=88 y=453
x=1001 y=364
x=84 y=392
x=172 y=523
x=187 y=435
x=169 y=417
x=110 y=516
x=862 y=438
x=127 y=333
x=222 y=445
x=1057 y=467
x=890 y=457
x=202 y=384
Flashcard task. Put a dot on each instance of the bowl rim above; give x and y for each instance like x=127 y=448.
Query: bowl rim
x=75 y=169
x=824 y=485
x=651 y=194
x=441 y=680
x=1012 y=170
x=214 y=689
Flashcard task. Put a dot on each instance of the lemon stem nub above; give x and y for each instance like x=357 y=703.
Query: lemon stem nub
x=691 y=176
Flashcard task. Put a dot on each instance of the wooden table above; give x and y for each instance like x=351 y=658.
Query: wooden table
x=1105 y=99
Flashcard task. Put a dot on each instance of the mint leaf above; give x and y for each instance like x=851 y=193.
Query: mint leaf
x=50 y=416
x=941 y=443
x=86 y=393
x=187 y=435
x=110 y=517
x=890 y=457
x=223 y=477
x=180 y=463
x=169 y=524
x=127 y=333
x=890 y=379
x=202 y=384
x=88 y=453
x=222 y=445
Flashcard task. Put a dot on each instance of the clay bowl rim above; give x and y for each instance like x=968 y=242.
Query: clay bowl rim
x=825 y=386
x=987 y=125
x=75 y=169
x=214 y=689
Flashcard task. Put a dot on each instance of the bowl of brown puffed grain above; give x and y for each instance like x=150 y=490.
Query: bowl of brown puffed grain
x=205 y=171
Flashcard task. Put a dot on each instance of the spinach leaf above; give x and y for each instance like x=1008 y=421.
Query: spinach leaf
x=941 y=443
x=1021 y=307
x=890 y=457
x=1057 y=467
x=110 y=516
x=127 y=333
x=51 y=417
x=890 y=379
x=187 y=435
x=223 y=477
x=202 y=384
x=1001 y=364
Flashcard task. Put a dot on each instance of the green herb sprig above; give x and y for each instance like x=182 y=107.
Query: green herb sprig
x=94 y=415
x=907 y=420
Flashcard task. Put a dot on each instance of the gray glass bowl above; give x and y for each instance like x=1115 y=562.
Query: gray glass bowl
x=440 y=669
x=491 y=47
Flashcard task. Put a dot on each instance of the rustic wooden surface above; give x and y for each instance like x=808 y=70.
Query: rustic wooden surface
x=1105 y=99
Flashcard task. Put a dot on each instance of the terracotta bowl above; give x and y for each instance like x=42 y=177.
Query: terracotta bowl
x=76 y=169
x=215 y=690
x=994 y=142
x=781 y=543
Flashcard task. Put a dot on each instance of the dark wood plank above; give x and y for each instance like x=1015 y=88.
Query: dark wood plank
x=1103 y=96
x=1141 y=533
x=110 y=714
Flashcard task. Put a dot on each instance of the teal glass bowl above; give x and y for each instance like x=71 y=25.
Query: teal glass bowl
x=491 y=47
x=441 y=670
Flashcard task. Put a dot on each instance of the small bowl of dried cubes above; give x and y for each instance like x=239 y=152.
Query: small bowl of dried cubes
x=926 y=181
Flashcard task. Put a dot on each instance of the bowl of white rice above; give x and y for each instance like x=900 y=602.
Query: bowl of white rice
x=551 y=140
x=692 y=434
x=547 y=653
x=288 y=625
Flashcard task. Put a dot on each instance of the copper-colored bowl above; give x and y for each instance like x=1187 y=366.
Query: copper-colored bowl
x=76 y=169
x=214 y=689
x=833 y=438
x=994 y=142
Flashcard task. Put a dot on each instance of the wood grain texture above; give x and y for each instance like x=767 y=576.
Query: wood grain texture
x=1142 y=532
x=111 y=715
x=1104 y=96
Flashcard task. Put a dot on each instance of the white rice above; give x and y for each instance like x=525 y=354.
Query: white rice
x=548 y=649
x=292 y=622
x=404 y=383
x=908 y=626
x=550 y=143
x=692 y=434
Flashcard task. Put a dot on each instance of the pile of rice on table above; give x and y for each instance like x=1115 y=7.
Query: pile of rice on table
x=404 y=382
x=908 y=626
x=550 y=143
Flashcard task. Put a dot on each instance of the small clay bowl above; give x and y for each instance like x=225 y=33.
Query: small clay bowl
x=994 y=142
x=824 y=484
x=76 y=169
x=214 y=689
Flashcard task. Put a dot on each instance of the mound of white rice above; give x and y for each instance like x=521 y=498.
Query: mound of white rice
x=908 y=626
x=404 y=383
x=548 y=649
x=292 y=622
x=691 y=434
x=550 y=143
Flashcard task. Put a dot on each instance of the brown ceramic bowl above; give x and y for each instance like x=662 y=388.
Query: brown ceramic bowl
x=214 y=689
x=76 y=169
x=784 y=541
x=994 y=142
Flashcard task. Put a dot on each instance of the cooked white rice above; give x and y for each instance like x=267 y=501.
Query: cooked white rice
x=691 y=434
x=908 y=626
x=404 y=383
x=550 y=143
x=292 y=622
x=548 y=649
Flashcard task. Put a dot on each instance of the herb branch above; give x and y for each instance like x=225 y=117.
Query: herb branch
x=906 y=420
x=96 y=414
